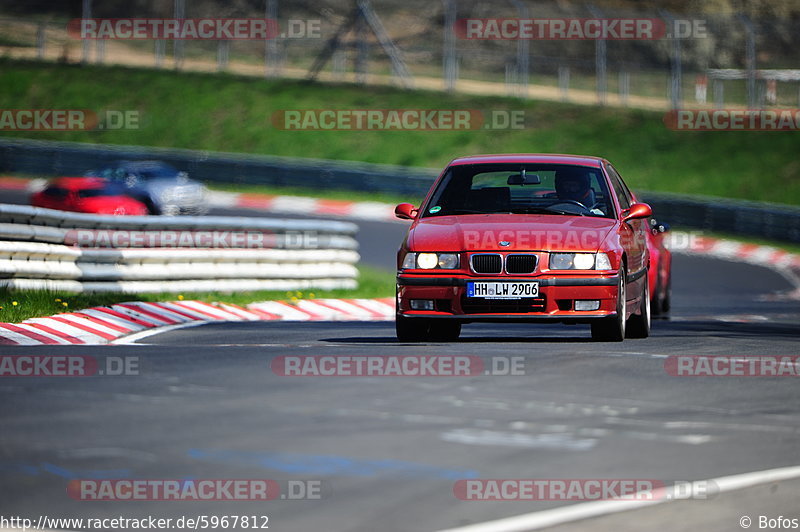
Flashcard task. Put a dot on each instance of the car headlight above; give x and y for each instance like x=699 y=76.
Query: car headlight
x=427 y=261
x=430 y=261
x=602 y=262
x=579 y=261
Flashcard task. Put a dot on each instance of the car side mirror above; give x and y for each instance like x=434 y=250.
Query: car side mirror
x=405 y=211
x=637 y=212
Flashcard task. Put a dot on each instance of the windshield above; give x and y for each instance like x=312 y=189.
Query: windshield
x=521 y=188
x=109 y=189
x=153 y=171
x=142 y=171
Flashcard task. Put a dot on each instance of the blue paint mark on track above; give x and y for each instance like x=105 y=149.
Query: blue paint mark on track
x=310 y=464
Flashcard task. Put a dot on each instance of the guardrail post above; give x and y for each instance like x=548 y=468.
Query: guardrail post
x=86 y=13
x=159 y=52
x=177 y=49
x=523 y=52
x=40 y=40
x=563 y=82
x=449 y=46
x=223 y=51
x=624 y=87
x=600 y=61
x=271 y=59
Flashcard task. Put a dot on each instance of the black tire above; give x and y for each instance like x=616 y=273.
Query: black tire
x=411 y=329
x=655 y=299
x=639 y=324
x=426 y=330
x=666 y=303
x=445 y=330
x=612 y=329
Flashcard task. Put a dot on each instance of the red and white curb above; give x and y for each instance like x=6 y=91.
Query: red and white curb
x=696 y=244
x=361 y=210
x=784 y=262
x=104 y=325
x=20 y=183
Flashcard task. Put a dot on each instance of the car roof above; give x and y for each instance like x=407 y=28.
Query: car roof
x=544 y=158
x=139 y=162
x=142 y=165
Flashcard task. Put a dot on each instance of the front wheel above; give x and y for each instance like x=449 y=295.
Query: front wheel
x=612 y=329
x=422 y=329
x=445 y=330
x=411 y=329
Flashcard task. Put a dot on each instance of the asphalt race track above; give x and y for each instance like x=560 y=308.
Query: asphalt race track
x=388 y=450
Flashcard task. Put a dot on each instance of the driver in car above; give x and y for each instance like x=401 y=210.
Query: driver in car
x=574 y=185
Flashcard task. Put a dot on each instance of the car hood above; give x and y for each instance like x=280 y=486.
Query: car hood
x=171 y=184
x=529 y=232
x=178 y=192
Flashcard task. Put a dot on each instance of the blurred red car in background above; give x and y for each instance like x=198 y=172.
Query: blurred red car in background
x=93 y=195
x=660 y=273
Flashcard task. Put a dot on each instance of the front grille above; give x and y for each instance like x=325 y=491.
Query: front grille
x=472 y=305
x=487 y=263
x=520 y=263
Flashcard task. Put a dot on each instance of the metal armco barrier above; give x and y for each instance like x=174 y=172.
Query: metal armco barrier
x=56 y=250
x=766 y=220
x=747 y=218
x=74 y=158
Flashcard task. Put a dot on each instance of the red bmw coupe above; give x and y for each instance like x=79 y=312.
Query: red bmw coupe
x=555 y=238
x=94 y=195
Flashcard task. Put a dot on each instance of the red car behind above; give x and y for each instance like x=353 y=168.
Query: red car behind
x=660 y=269
x=93 y=195
x=555 y=238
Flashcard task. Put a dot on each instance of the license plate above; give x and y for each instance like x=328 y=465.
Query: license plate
x=504 y=290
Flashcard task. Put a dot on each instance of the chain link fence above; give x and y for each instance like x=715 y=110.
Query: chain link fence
x=699 y=59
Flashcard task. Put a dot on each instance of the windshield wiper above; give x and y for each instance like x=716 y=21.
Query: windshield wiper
x=468 y=211
x=545 y=210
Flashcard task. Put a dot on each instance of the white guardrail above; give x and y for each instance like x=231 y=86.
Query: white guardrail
x=44 y=249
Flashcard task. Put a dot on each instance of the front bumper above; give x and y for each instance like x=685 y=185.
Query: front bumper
x=555 y=301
